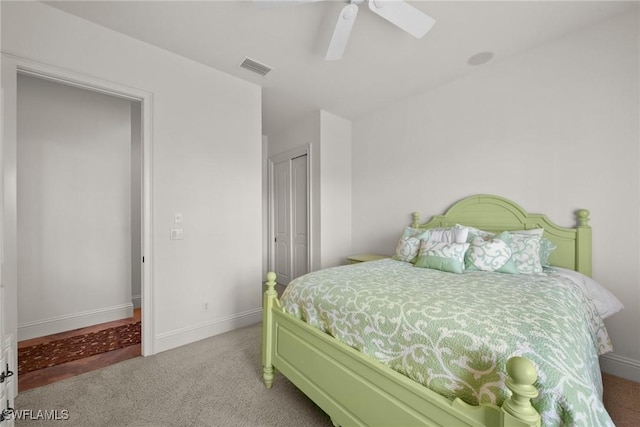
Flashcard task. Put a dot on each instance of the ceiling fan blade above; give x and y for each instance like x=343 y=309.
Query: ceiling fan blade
x=341 y=32
x=403 y=15
x=268 y=4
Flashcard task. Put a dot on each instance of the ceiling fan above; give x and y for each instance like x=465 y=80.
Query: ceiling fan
x=398 y=12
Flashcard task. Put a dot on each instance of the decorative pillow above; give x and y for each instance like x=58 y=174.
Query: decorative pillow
x=476 y=232
x=409 y=244
x=525 y=250
x=445 y=256
x=455 y=234
x=491 y=254
x=546 y=249
x=546 y=245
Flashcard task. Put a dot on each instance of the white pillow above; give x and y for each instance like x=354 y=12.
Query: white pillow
x=606 y=303
x=456 y=234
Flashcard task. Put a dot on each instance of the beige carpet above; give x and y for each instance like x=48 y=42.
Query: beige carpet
x=213 y=382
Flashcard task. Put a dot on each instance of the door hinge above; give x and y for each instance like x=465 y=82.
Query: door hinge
x=8 y=413
x=6 y=374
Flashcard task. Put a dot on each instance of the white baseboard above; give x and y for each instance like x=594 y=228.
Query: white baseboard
x=136 y=300
x=72 y=321
x=180 y=337
x=620 y=366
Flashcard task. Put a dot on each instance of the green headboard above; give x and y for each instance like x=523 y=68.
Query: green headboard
x=494 y=213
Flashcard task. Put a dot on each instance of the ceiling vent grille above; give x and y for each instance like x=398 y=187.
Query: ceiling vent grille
x=255 y=66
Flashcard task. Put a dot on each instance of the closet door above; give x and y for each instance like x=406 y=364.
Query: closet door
x=291 y=218
x=282 y=220
x=299 y=208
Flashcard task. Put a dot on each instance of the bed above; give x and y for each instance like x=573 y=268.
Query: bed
x=370 y=378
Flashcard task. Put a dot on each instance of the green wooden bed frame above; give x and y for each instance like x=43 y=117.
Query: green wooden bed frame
x=356 y=390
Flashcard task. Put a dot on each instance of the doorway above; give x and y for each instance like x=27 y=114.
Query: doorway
x=290 y=225
x=12 y=67
x=79 y=224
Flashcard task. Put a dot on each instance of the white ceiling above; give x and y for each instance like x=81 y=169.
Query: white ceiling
x=381 y=62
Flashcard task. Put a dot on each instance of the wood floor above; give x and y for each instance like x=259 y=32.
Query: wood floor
x=52 y=374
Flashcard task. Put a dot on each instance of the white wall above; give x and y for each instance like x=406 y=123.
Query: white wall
x=206 y=160
x=554 y=129
x=335 y=190
x=74 y=220
x=330 y=161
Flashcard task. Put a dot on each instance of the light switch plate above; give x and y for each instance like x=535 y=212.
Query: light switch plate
x=177 y=234
x=177 y=218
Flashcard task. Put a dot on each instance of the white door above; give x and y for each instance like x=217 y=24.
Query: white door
x=282 y=220
x=8 y=379
x=6 y=417
x=8 y=371
x=290 y=222
x=4 y=404
x=299 y=210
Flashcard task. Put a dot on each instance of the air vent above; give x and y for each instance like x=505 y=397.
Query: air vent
x=255 y=66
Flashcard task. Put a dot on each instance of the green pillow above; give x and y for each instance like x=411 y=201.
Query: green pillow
x=443 y=256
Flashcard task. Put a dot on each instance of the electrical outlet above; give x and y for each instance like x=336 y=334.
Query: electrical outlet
x=205 y=306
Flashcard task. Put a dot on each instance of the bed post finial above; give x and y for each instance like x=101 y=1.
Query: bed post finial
x=522 y=375
x=583 y=217
x=416 y=219
x=271 y=281
x=270 y=298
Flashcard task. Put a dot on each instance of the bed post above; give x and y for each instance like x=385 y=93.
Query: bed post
x=270 y=298
x=522 y=375
x=416 y=219
x=583 y=243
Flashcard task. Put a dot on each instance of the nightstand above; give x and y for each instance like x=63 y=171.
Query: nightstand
x=354 y=259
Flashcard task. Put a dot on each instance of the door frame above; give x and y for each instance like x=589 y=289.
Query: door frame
x=12 y=66
x=277 y=158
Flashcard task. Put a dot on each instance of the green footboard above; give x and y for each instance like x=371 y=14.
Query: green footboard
x=356 y=390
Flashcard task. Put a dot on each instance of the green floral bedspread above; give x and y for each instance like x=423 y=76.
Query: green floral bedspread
x=454 y=332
